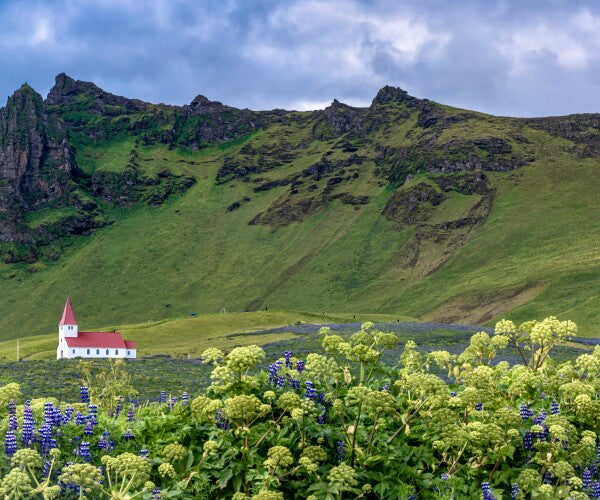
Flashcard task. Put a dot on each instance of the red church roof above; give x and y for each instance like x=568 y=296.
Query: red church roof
x=68 y=318
x=130 y=344
x=97 y=339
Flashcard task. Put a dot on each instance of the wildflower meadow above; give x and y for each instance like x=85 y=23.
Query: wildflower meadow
x=331 y=425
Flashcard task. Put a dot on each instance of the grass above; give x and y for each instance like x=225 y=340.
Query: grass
x=536 y=255
x=190 y=336
x=43 y=378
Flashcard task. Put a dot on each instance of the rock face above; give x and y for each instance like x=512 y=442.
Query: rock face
x=204 y=121
x=36 y=161
x=66 y=91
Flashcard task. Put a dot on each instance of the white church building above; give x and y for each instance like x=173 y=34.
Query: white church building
x=75 y=344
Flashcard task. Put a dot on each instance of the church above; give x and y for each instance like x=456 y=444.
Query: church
x=75 y=344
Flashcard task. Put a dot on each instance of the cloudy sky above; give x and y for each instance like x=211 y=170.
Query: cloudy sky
x=521 y=57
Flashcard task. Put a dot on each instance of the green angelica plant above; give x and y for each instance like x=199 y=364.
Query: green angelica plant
x=334 y=424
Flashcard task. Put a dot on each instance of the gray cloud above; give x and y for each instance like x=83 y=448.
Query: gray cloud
x=504 y=57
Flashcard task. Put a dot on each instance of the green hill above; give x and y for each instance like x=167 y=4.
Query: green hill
x=144 y=212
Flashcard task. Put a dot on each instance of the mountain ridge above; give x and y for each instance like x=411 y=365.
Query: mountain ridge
x=349 y=208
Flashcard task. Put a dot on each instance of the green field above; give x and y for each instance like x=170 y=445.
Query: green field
x=192 y=335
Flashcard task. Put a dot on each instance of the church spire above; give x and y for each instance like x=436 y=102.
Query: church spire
x=68 y=318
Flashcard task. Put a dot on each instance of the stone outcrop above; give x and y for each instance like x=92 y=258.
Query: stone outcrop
x=36 y=160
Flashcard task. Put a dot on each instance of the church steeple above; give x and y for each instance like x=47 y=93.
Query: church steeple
x=68 y=318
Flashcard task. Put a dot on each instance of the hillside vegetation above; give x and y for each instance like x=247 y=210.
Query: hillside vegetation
x=146 y=212
x=189 y=336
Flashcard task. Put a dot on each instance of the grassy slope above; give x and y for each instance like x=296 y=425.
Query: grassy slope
x=191 y=335
x=536 y=255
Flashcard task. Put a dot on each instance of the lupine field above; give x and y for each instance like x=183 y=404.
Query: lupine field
x=348 y=421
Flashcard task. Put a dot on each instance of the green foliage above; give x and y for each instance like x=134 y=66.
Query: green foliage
x=346 y=425
x=108 y=384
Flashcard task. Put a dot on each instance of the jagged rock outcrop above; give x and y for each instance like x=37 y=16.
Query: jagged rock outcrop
x=204 y=121
x=411 y=206
x=66 y=91
x=338 y=119
x=36 y=160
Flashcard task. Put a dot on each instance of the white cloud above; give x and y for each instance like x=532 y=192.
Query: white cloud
x=41 y=33
x=337 y=39
x=573 y=42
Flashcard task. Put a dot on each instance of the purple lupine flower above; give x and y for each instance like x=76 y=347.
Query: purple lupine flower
x=453 y=394
x=130 y=414
x=84 y=393
x=525 y=412
x=322 y=417
x=144 y=452
x=79 y=419
x=136 y=403
x=10 y=443
x=68 y=413
x=341 y=450
x=57 y=417
x=12 y=408
x=119 y=406
x=172 y=403
x=486 y=491
x=221 y=421
x=294 y=383
x=586 y=478
x=13 y=424
x=185 y=399
x=28 y=424
x=89 y=429
x=323 y=399
x=595 y=490
x=479 y=407
x=515 y=493
x=156 y=494
x=547 y=479
x=554 y=408
x=274 y=371
x=445 y=476
x=300 y=366
x=102 y=443
x=528 y=441
x=49 y=413
x=84 y=451
x=46 y=469
x=288 y=359
x=163 y=397
x=541 y=416
x=280 y=382
x=45 y=438
x=128 y=434
x=311 y=392
x=101 y=471
x=93 y=409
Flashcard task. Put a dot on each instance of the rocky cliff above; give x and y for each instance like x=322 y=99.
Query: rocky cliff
x=36 y=160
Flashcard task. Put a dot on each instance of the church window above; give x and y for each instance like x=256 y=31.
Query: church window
x=107 y=352
x=97 y=351
x=88 y=351
x=116 y=351
x=128 y=353
x=73 y=351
